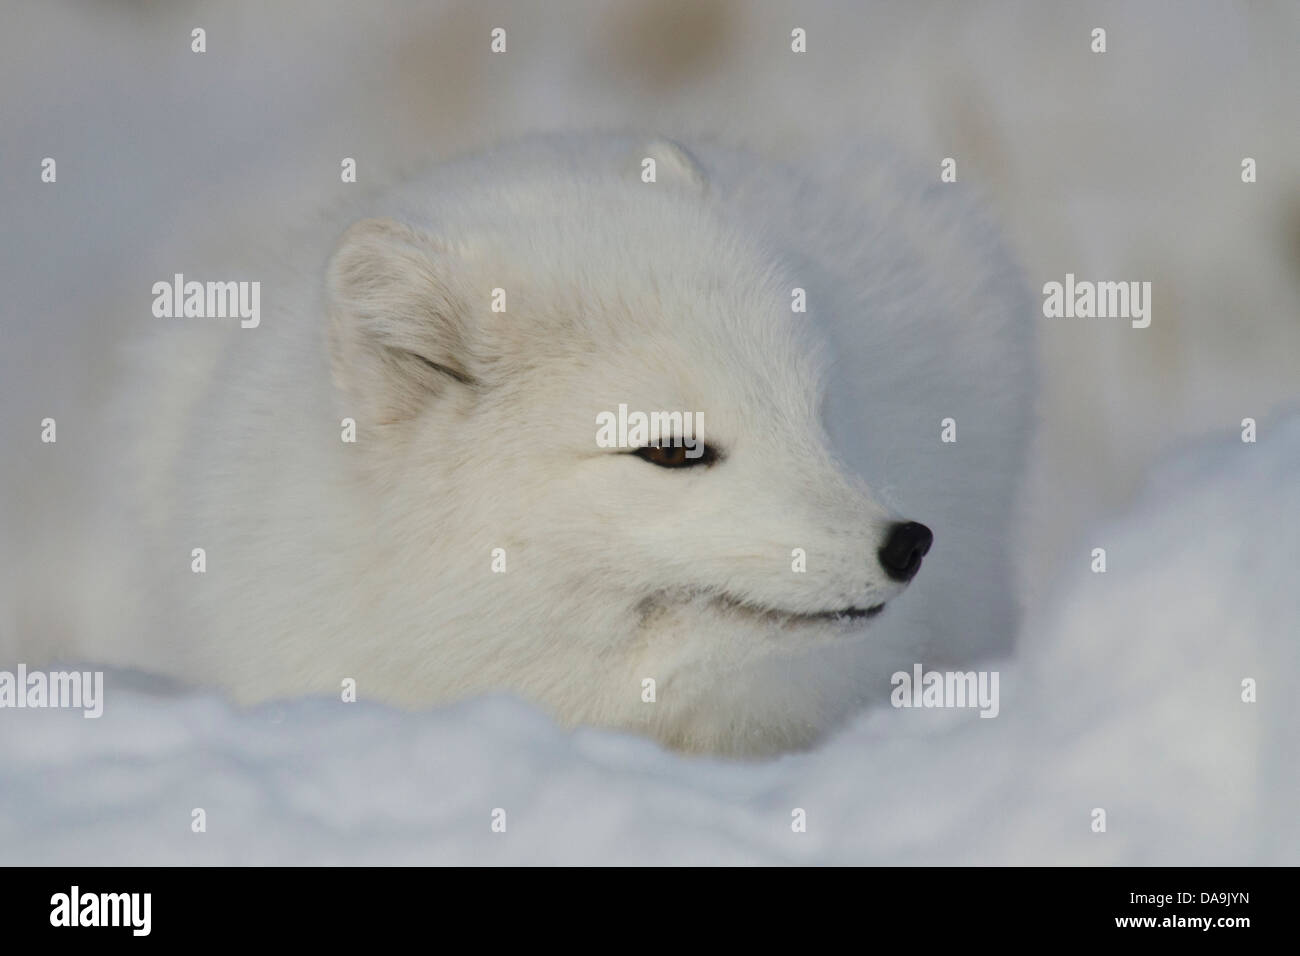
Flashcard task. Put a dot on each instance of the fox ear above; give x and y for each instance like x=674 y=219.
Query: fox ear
x=399 y=328
x=673 y=163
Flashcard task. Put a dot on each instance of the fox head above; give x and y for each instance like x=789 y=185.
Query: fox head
x=480 y=345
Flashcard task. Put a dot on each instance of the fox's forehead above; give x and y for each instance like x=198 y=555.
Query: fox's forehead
x=652 y=267
x=617 y=295
x=721 y=404
x=737 y=361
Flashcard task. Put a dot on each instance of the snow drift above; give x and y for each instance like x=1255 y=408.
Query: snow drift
x=1127 y=697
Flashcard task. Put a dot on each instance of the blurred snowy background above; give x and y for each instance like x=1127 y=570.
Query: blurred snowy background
x=1124 y=692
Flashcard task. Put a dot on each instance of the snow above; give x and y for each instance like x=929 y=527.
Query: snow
x=1127 y=697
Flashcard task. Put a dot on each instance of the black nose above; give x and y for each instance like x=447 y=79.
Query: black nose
x=906 y=545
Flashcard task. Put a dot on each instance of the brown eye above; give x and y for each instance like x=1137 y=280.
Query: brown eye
x=675 y=456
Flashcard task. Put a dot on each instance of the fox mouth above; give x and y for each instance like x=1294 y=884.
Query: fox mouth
x=852 y=613
x=779 y=615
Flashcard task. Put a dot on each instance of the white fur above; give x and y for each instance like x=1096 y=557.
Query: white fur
x=328 y=560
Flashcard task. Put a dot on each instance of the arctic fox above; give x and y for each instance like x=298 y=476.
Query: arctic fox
x=396 y=479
